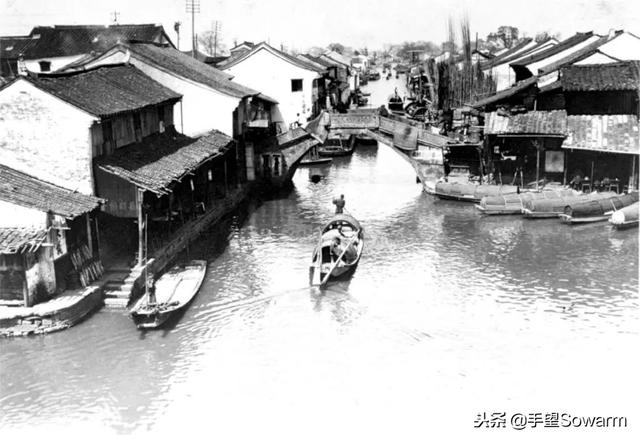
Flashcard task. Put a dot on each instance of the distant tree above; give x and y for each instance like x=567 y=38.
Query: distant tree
x=356 y=52
x=211 y=40
x=545 y=35
x=405 y=50
x=337 y=47
x=506 y=36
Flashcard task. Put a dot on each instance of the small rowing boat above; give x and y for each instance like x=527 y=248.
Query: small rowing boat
x=514 y=203
x=338 y=251
x=336 y=146
x=469 y=192
x=596 y=211
x=626 y=217
x=170 y=294
x=313 y=158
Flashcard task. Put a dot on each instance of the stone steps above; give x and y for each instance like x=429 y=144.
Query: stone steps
x=119 y=286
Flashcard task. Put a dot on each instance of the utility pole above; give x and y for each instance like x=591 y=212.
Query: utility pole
x=115 y=15
x=216 y=29
x=176 y=27
x=193 y=7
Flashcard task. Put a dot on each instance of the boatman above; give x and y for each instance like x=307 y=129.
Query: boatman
x=339 y=203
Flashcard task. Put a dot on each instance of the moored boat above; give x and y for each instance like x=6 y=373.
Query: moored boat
x=336 y=146
x=171 y=293
x=626 y=217
x=313 y=158
x=552 y=208
x=514 y=203
x=469 y=192
x=338 y=251
x=596 y=211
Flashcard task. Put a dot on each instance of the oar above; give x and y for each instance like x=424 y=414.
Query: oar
x=317 y=263
x=326 y=278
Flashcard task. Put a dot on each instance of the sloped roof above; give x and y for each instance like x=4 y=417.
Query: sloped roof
x=106 y=90
x=307 y=59
x=27 y=191
x=603 y=133
x=12 y=47
x=187 y=67
x=536 y=123
x=248 y=44
x=159 y=161
x=507 y=93
x=553 y=50
x=338 y=57
x=320 y=60
x=21 y=240
x=576 y=56
x=264 y=46
x=499 y=59
x=623 y=75
x=58 y=41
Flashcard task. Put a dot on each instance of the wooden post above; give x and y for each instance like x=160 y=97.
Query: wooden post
x=89 y=238
x=538 y=146
x=141 y=226
x=591 y=177
x=565 y=159
x=632 y=184
x=95 y=221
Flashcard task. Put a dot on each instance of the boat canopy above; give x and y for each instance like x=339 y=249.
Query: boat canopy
x=342 y=219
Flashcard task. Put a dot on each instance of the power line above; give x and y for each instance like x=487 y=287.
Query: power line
x=193 y=7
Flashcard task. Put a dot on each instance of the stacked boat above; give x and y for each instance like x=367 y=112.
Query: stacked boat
x=515 y=203
x=598 y=210
x=470 y=192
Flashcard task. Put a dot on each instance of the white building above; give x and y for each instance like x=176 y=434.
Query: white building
x=287 y=79
x=211 y=100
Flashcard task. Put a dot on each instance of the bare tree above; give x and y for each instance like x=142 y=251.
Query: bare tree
x=211 y=40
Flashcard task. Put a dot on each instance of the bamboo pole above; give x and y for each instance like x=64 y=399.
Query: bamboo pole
x=141 y=227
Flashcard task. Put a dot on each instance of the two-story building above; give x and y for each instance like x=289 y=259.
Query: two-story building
x=49 y=48
x=291 y=81
x=211 y=100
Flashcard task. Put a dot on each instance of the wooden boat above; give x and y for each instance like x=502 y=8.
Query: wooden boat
x=395 y=103
x=336 y=146
x=596 y=211
x=338 y=251
x=173 y=291
x=626 y=217
x=469 y=192
x=313 y=158
x=552 y=208
x=514 y=203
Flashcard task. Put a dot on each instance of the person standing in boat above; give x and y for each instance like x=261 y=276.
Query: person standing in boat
x=339 y=203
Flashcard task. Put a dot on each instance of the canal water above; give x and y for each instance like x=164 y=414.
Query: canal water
x=449 y=314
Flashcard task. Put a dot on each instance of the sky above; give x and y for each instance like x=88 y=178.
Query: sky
x=301 y=24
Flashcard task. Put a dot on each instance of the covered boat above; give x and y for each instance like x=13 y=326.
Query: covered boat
x=514 y=203
x=170 y=294
x=336 y=146
x=626 y=217
x=396 y=103
x=469 y=192
x=597 y=211
x=551 y=208
x=338 y=251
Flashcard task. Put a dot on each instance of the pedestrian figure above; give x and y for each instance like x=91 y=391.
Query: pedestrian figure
x=339 y=203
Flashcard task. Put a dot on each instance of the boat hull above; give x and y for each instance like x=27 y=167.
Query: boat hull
x=175 y=290
x=319 y=161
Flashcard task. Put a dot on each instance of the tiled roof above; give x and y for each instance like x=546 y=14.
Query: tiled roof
x=106 y=90
x=601 y=77
x=185 y=66
x=12 y=47
x=58 y=41
x=158 y=161
x=320 y=60
x=605 y=133
x=21 y=240
x=507 y=93
x=541 y=123
x=27 y=191
x=553 y=50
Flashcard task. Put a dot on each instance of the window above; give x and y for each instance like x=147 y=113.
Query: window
x=45 y=66
x=296 y=85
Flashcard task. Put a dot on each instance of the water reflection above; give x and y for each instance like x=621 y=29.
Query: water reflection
x=448 y=312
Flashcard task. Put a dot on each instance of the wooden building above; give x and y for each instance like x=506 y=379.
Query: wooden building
x=48 y=239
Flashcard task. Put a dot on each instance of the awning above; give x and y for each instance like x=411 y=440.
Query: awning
x=158 y=162
x=603 y=133
x=535 y=124
x=21 y=240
